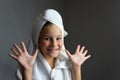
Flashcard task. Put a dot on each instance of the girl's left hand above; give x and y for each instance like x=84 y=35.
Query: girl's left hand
x=79 y=57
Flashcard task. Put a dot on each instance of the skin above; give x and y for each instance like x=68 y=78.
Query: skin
x=25 y=60
x=77 y=60
x=50 y=43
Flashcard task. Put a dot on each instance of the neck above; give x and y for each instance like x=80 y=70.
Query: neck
x=51 y=61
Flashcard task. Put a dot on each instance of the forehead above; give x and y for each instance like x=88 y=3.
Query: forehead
x=50 y=29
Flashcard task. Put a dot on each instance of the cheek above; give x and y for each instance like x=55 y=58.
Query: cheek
x=43 y=44
x=60 y=44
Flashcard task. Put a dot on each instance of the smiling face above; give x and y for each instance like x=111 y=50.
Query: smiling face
x=50 y=41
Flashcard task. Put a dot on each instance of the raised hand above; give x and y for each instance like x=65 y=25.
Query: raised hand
x=79 y=57
x=22 y=56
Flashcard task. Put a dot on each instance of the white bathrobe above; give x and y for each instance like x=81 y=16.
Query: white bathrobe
x=42 y=70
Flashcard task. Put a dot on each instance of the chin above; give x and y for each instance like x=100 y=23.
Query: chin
x=54 y=55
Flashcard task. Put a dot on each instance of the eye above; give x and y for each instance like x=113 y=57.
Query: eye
x=59 y=38
x=47 y=38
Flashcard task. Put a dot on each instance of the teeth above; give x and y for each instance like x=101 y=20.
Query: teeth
x=52 y=49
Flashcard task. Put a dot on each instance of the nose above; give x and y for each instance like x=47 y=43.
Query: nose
x=54 y=43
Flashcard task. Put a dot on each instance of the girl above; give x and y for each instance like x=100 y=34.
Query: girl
x=49 y=59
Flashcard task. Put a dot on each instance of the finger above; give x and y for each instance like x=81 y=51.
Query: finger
x=82 y=49
x=17 y=48
x=35 y=53
x=68 y=53
x=13 y=56
x=14 y=51
x=23 y=46
x=87 y=57
x=77 y=49
x=85 y=52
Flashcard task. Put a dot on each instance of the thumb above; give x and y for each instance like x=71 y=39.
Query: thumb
x=68 y=53
x=35 y=53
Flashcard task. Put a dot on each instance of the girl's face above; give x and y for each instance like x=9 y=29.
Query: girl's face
x=50 y=41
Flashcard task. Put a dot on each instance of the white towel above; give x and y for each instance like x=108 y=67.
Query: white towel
x=42 y=69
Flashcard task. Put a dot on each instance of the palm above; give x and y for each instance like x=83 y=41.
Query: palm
x=26 y=60
x=23 y=57
x=78 y=58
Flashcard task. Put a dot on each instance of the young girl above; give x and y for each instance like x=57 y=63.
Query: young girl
x=49 y=60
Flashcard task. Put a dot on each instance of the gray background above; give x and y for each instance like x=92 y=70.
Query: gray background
x=92 y=23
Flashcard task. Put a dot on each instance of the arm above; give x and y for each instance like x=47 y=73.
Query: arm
x=27 y=74
x=77 y=59
x=76 y=73
x=25 y=60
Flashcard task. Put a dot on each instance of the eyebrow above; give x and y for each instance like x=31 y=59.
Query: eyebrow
x=50 y=35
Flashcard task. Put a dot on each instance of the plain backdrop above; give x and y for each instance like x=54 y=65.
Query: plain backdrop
x=94 y=24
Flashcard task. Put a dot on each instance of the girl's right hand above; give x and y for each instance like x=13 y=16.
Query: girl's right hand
x=22 y=56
